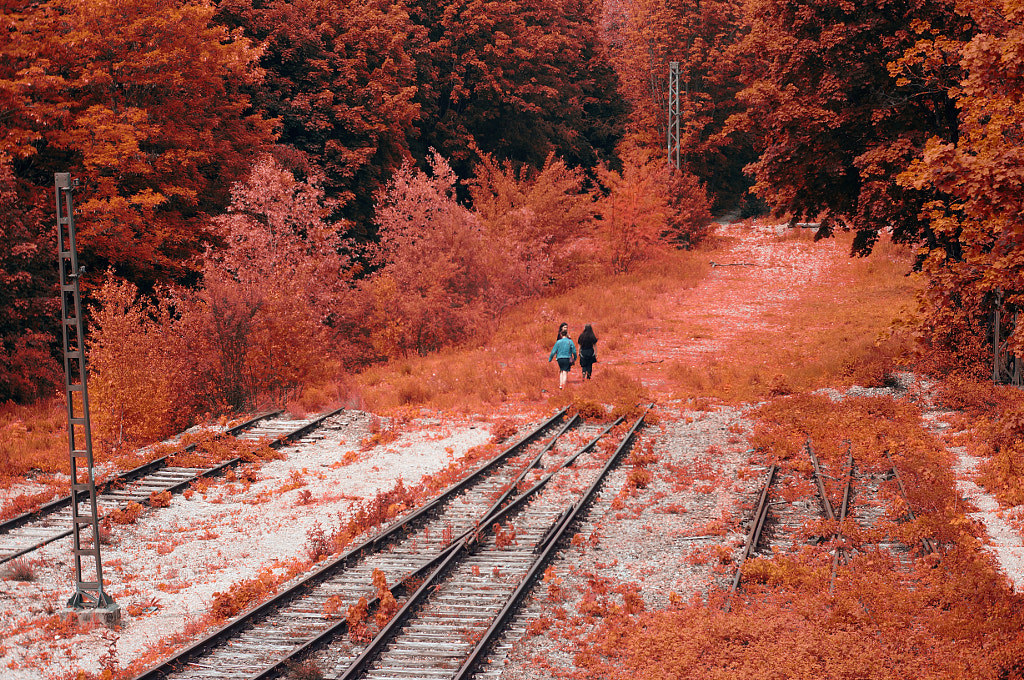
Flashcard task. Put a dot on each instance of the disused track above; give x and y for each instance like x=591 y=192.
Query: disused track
x=789 y=516
x=32 y=530
x=266 y=634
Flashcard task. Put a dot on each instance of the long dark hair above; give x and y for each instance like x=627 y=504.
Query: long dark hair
x=587 y=337
x=563 y=330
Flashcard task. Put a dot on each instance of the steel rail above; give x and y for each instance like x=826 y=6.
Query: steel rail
x=926 y=542
x=466 y=545
x=760 y=514
x=123 y=478
x=549 y=545
x=839 y=552
x=403 y=587
x=820 y=482
x=340 y=564
x=111 y=485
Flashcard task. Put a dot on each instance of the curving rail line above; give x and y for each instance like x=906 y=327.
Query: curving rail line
x=32 y=530
x=272 y=632
x=445 y=627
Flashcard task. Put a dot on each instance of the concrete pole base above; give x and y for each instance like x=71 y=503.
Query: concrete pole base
x=109 y=616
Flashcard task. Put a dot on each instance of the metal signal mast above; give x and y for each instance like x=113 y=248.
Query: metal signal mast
x=1006 y=367
x=673 y=114
x=89 y=600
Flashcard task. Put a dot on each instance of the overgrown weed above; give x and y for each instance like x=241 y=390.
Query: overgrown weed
x=785 y=599
x=32 y=437
x=20 y=569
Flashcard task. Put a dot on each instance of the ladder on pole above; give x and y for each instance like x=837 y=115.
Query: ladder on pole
x=89 y=591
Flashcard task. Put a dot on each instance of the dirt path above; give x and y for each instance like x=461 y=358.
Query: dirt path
x=751 y=288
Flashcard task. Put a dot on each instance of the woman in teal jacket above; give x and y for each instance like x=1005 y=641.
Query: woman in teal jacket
x=565 y=351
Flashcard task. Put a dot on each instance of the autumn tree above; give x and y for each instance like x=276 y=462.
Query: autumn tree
x=833 y=126
x=547 y=213
x=441 y=273
x=975 y=250
x=257 y=329
x=646 y=208
x=520 y=78
x=28 y=309
x=340 y=77
x=142 y=102
x=430 y=280
x=146 y=366
x=269 y=297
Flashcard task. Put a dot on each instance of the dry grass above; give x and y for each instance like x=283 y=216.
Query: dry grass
x=837 y=333
x=32 y=437
x=20 y=569
x=833 y=333
x=512 y=365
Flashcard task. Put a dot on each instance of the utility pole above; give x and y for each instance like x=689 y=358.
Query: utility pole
x=673 y=114
x=90 y=602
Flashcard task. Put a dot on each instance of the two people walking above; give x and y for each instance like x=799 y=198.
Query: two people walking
x=565 y=353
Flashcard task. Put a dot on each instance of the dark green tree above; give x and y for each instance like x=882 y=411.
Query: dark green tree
x=340 y=78
x=520 y=79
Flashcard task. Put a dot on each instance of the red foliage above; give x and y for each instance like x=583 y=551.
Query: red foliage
x=387 y=606
x=646 y=209
x=129 y=514
x=340 y=77
x=441 y=275
x=140 y=101
x=356 y=618
x=538 y=217
x=23 y=503
x=974 y=256
x=242 y=595
x=833 y=126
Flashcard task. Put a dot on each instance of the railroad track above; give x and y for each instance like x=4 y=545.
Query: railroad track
x=454 y=619
x=51 y=522
x=775 y=521
x=312 y=609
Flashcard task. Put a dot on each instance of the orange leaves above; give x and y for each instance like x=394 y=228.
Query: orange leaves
x=503 y=430
x=129 y=514
x=148 y=99
x=142 y=378
x=634 y=214
x=23 y=503
x=243 y=594
x=161 y=499
x=537 y=217
x=387 y=606
x=356 y=618
x=556 y=591
x=332 y=607
x=1003 y=474
x=976 y=178
x=504 y=536
x=646 y=208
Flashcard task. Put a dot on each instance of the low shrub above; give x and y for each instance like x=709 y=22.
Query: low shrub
x=20 y=569
x=129 y=514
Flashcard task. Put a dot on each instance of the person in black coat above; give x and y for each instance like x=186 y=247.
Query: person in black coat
x=588 y=355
